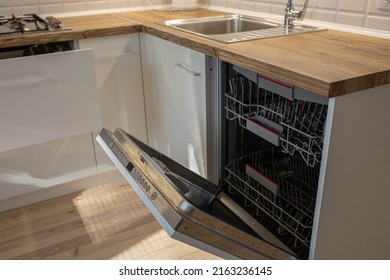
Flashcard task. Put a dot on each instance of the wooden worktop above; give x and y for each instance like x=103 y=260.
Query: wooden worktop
x=82 y=27
x=330 y=63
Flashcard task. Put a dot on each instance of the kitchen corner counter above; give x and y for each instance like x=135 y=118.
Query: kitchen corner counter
x=330 y=63
x=82 y=27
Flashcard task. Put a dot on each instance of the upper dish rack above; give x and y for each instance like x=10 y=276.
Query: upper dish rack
x=295 y=125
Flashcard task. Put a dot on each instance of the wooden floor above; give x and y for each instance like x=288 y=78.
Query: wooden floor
x=104 y=222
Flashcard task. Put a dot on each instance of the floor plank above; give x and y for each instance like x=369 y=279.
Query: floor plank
x=105 y=222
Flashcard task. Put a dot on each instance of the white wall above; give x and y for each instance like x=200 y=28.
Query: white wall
x=351 y=12
x=19 y=7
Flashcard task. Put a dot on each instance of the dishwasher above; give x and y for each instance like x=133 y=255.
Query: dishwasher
x=266 y=146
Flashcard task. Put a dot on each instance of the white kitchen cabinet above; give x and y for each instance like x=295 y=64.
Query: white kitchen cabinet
x=119 y=82
x=44 y=165
x=47 y=97
x=175 y=97
x=48 y=108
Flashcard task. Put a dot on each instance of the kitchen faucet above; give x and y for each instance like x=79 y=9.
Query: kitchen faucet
x=291 y=14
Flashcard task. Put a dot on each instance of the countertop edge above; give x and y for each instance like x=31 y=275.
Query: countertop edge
x=50 y=37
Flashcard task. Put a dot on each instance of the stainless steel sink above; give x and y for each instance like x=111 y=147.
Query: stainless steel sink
x=223 y=24
x=235 y=28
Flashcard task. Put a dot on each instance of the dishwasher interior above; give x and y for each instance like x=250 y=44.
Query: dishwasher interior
x=272 y=138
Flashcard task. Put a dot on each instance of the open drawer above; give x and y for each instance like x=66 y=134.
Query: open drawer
x=47 y=97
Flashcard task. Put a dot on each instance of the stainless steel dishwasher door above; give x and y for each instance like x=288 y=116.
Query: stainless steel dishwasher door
x=188 y=207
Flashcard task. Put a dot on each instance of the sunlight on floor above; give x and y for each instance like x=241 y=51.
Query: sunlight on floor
x=101 y=219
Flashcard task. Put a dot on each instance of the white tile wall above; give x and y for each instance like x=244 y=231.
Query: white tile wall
x=51 y=8
x=116 y=4
x=18 y=7
x=96 y=5
x=263 y=7
x=218 y=2
x=355 y=19
x=24 y=2
x=323 y=15
x=248 y=5
x=40 y=2
x=325 y=4
x=25 y=9
x=351 y=12
x=138 y=3
x=75 y=6
x=353 y=6
x=235 y=4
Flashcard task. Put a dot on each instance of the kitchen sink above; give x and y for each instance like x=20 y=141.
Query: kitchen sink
x=235 y=28
x=223 y=24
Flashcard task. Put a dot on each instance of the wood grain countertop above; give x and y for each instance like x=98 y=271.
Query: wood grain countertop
x=330 y=63
x=82 y=27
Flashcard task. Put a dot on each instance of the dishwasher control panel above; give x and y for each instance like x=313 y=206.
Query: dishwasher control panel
x=141 y=181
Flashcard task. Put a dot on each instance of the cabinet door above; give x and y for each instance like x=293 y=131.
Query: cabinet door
x=175 y=97
x=45 y=165
x=47 y=97
x=119 y=81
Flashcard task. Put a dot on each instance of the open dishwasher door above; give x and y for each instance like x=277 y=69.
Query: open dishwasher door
x=187 y=206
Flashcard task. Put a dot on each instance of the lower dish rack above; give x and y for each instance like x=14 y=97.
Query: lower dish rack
x=295 y=125
x=278 y=187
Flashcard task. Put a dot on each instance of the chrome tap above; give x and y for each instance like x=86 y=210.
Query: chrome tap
x=291 y=14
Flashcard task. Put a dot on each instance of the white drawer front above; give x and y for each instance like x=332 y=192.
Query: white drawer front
x=47 y=97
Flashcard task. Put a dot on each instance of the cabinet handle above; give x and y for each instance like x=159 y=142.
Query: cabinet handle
x=192 y=72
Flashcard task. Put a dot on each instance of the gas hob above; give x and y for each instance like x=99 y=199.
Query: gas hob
x=29 y=23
